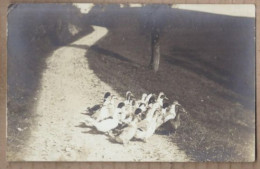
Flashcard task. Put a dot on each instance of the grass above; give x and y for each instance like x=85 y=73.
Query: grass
x=219 y=125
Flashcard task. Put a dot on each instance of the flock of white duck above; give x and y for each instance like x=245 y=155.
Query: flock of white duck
x=133 y=118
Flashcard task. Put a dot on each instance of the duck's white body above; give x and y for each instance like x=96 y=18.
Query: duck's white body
x=107 y=124
x=167 y=114
x=147 y=99
x=101 y=114
x=169 y=117
x=144 y=95
x=160 y=102
x=172 y=110
x=160 y=98
x=163 y=119
x=122 y=115
x=128 y=119
x=145 y=129
x=106 y=111
x=130 y=107
x=91 y=111
x=133 y=118
x=151 y=128
x=127 y=133
x=150 y=111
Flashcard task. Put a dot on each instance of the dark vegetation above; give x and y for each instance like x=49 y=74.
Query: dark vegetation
x=207 y=64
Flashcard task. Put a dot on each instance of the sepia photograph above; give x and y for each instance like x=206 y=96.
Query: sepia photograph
x=131 y=82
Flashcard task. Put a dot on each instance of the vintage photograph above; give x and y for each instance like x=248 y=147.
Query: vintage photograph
x=131 y=82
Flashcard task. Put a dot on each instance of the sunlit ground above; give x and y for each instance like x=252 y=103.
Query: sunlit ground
x=223 y=9
x=240 y=10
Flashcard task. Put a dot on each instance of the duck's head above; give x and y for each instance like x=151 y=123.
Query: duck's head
x=152 y=99
x=178 y=107
x=165 y=108
x=139 y=114
x=107 y=96
x=161 y=99
x=142 y=106
x=138 y=111
x=149 y=96
x=175 y=102
x=120 y=108
x=120 y=105
x=129 y=95
x=162 y=96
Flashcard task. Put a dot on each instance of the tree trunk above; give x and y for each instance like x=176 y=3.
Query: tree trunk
x=155 y=50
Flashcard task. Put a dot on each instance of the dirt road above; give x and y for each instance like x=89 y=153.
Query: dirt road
x=68 y=87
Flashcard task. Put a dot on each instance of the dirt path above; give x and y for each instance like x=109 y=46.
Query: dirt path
x=68 y=87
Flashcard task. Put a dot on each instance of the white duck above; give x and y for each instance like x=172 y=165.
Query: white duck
x=106 y=110
x=122 y=114
x=150 y=99
x=164 y=116
x=145 y=128
x=160 y=98
x=142 y=100
x=171 y=112
x=154 y=105
x=130 y=106
x=176 y=122
x=127 y=133
x=129 y=96
x=172 y=116
x=106 y=99
x=167 y=113
x=137 y=113
x=142 y=111
x=129 y=112
x=107 y=124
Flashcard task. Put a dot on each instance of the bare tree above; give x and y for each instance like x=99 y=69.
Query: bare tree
x=155 y=49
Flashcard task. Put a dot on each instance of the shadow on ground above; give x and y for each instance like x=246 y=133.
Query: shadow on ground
x=30 y=42
x=207 y=64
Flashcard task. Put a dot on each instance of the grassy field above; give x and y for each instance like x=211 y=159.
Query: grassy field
x=207 y=64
